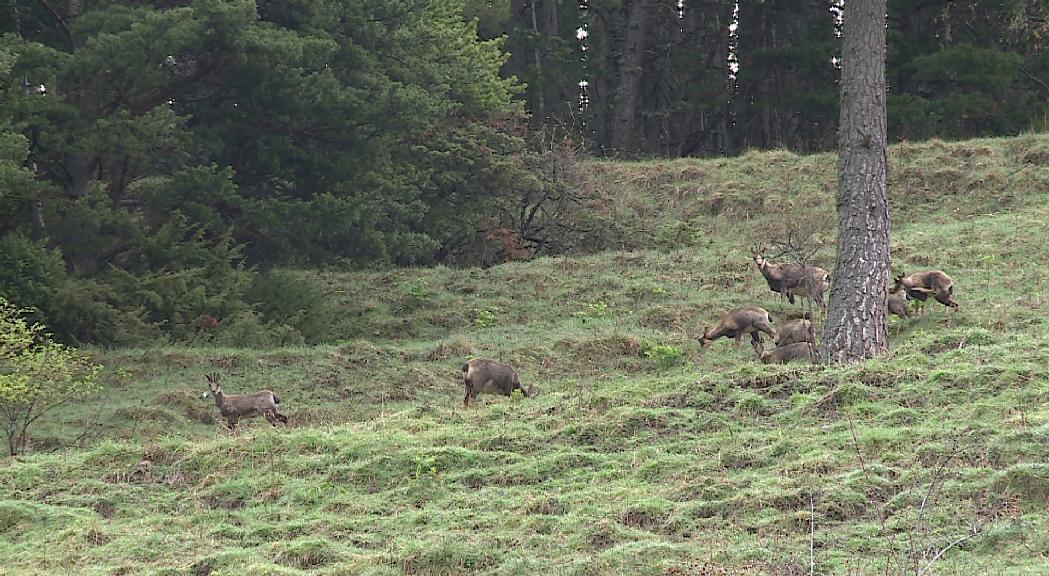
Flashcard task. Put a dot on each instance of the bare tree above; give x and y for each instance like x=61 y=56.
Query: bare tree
x=857 y=321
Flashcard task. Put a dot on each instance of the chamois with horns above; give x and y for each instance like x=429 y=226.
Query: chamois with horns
x=236 y=406
x=790 y=280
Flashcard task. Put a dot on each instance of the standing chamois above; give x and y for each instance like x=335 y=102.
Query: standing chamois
x=237 y=406
x=740 y=322
x=790 y=280
x=483 y=376
x=921 y=285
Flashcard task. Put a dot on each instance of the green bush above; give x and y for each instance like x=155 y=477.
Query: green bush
x=297 y=300
x=29 y=271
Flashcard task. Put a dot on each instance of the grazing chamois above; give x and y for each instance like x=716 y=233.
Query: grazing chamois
x=790 y=280
x=921 y=285
x=740 y=322
x=483 y=376
x=806 y=351
x=797 y=330
x=236 y=406
x=897 y=303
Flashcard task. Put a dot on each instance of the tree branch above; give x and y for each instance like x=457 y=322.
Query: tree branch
x=66 y=33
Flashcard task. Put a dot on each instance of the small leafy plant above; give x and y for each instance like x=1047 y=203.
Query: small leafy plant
x=664 y=354
x=37 y=375
x=485 y=318
x=591 y=311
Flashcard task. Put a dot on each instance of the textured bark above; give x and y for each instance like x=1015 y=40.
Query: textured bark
x=857 y=322
x=628 y=93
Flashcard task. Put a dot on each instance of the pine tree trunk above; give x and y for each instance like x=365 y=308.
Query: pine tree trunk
x=628 y=93
x=601 y=74
x=857 y=321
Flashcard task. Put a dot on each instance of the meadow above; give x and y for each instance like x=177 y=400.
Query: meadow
x=643 y=453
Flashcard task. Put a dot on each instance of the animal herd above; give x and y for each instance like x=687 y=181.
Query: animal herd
x=795 y=339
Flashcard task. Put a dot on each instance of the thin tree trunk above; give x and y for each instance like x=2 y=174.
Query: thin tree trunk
x=540 y=100
x=518 y=60
x=600 y=70
x=628 y=93
x=857 y=321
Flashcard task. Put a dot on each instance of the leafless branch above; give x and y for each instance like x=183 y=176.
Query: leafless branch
x=967 y=537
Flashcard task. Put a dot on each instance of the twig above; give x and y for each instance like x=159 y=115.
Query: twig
x=975 y=532
x=936 y=477
x=812 y=536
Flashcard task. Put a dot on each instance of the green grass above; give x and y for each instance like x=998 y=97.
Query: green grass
x=643 y=453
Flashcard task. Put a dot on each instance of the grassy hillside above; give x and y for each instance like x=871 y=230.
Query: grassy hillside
x=643 y=452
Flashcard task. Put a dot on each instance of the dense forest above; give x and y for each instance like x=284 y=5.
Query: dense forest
x=715 y=77
x=162 y=164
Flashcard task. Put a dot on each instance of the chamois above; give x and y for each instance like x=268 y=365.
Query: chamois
x=797 y=351
x=897 y=303
x=790 y=280
x=483 y=376
x=237 y=406
x=740 y=322
x=797 y=330
x=921 y=285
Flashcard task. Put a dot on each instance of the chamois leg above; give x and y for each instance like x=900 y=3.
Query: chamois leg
x=946 y=300
x=755 y=341
x=919 y=309
x=274 y=417
x=469 y=395
x=231 y=423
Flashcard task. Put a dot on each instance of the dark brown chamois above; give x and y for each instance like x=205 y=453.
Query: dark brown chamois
x=919 y=286
x=740 y=322
x=790 y=280
x=483 y=376
x=236 y=406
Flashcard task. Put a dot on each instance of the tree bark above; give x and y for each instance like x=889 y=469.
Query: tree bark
x=628 y=93
x=857 y=321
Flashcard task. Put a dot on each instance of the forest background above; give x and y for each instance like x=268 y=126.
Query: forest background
x=166 y=166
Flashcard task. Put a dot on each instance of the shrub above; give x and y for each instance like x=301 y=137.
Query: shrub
x=36 y=375
x=297 y=300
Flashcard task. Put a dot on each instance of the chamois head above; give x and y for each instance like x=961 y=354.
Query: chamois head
x=213 y=385
x=757 y=253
